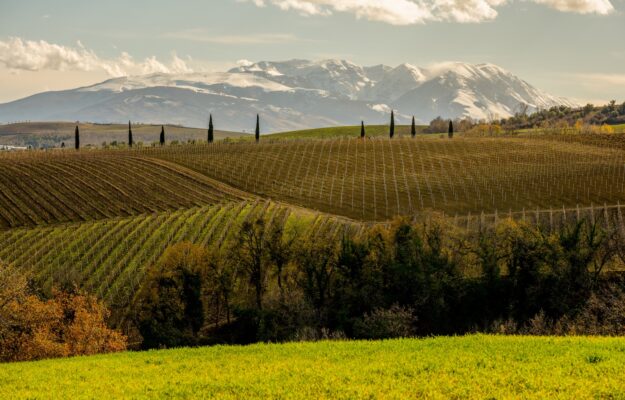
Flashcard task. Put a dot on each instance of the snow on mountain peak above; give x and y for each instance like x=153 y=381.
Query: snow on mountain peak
x=294 y=94
x=191 y=80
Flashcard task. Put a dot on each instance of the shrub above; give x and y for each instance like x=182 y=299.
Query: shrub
x=395 y=322
x=66 y=325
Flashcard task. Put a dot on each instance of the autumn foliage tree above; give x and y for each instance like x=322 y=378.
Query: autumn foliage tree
x=68 y=324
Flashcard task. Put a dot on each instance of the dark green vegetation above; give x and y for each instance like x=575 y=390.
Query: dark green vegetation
x=474 y=367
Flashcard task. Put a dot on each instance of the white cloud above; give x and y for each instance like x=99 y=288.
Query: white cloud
x=602 y=7
x=27 y=55
x=408 y=12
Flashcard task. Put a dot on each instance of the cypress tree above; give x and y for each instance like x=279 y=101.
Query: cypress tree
x=450 y=132
x=210 y=129
x=392 y=132
x=362 y=130
x=77 y=138
x=130 y=143
x=413 y=129
x=162 y=138
x=257 y=128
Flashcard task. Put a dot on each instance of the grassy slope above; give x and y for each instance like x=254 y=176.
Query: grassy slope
x=343 y=131
x=441 y=368
x=94 y=134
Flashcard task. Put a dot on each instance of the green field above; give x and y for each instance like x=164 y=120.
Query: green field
x=345 y=131
x=478 y=367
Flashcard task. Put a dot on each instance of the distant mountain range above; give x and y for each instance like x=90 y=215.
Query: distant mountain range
x=292 y=95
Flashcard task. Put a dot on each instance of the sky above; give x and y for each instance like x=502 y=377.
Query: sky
x=572 y=48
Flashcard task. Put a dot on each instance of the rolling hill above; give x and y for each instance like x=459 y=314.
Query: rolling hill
x=378 y=178
x=48 y=187
x=369 y=180
x=52 y=134
x=109 y=257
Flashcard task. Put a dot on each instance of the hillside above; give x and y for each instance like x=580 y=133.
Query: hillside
x=345 y=132
x=371 y=180
x=52 y=134
x=63 y=186
x=377 y=179
x=610 y=114
x=109 y=257
x=459 y=367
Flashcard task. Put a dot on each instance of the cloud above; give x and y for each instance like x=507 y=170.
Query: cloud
x=601 y=7
x=409 y=12
x=201 y=35
x=27 y=55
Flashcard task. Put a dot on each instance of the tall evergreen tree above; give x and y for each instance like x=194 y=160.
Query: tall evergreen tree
x=362 y=130
x=392 y=132
x=210 y=129
x=130 y=142
x=450 y=132
x=257 y=127
x=162 y=138
x=413 y=128
x=77 y=138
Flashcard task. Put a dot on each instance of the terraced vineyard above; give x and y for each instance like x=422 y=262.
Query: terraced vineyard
x=376 y=179
x=109 y=257
x=51 y=187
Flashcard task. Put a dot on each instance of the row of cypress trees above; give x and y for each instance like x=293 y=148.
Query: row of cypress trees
x=211 y=131
x=413 y=128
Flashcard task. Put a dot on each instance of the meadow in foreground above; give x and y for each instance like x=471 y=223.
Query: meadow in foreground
x=441 y=368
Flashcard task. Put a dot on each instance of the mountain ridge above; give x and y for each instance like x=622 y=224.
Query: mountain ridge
x=293 y=94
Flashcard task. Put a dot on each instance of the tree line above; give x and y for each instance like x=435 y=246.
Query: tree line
x=405 y=279
x=211 y=131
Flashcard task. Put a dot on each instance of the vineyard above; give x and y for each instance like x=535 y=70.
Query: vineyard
x=376 y=179
x=52 y=187
x=369 y=180
x=109 y=257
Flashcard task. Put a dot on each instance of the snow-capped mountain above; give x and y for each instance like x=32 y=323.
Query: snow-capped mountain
x=291 y=95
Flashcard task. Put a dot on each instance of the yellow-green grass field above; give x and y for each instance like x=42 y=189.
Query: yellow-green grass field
x=475 y=367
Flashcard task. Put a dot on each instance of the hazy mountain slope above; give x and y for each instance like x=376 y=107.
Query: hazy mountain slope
x=291 y=95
